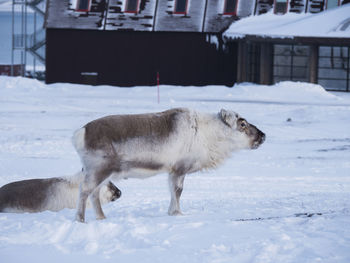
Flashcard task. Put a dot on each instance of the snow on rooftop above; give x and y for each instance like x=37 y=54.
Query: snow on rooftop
x=331 y=23
x=5 y=5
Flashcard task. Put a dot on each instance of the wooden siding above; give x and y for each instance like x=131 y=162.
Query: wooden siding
x=215 y=20
x=190 y=22
x=62 y=14
x=245 y=8
x=132 y=58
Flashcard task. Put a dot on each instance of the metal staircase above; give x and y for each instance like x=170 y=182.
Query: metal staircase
x=28 y=37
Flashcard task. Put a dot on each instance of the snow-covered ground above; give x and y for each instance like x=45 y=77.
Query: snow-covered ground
x=288 y=201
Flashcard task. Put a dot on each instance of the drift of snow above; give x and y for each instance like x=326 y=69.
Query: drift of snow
x=287 y=201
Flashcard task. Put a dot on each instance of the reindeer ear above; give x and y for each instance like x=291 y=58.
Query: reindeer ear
x=228 y=117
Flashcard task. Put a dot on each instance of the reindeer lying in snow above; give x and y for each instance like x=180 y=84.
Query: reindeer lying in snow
x=177 y=141
x=53 y=194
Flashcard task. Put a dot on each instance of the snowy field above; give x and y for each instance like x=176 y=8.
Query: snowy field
x=288 y=201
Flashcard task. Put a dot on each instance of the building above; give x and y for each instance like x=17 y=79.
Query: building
x=187 y=42
x=304 y=47
x=129 y=42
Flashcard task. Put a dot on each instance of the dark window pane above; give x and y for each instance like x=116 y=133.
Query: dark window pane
x=290 y=63
x=230 y=7
x=131 y=5
x=83 y=5
x=180 y=6
x=280 y=6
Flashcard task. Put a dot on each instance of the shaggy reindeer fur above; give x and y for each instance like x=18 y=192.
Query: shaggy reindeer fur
x=53 y=194
x=177 y=141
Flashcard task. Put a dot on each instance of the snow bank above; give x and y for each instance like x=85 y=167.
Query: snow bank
x=20 y=83
x=287 y=201
x=283 y=92
x=286 y=91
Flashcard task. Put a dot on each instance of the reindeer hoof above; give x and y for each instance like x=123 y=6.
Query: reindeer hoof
x=175 y=213
x=100 y=217
x=79 y=219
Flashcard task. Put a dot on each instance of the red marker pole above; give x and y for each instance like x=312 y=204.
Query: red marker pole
x=158 y=87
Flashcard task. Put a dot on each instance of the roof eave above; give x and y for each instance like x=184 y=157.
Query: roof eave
x=300 y=40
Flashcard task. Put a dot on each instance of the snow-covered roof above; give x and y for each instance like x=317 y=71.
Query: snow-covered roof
x=333 y=23
x=152 y=15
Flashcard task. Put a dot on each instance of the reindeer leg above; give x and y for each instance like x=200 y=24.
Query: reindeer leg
x=91 y=187
x=176 y=186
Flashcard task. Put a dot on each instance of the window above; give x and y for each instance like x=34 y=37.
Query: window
x=132 y=6
x=316 y=6
x=263 y=6
x=332 y=3
x=290 y=62
x=297 y=6
x=281 y=6
x=83 y=5
x=230 y=7
x=180 y=6
x=334 y=68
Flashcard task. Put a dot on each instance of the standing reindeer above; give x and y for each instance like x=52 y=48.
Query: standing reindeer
x=177 y=141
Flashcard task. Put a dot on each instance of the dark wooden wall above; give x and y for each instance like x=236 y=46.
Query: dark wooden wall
x=129 y=58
